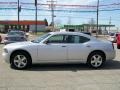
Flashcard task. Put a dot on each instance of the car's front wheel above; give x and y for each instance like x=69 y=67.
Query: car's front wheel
x=20 y=60
x=96 y=59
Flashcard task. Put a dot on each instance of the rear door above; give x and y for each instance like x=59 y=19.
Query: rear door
x=78 y=50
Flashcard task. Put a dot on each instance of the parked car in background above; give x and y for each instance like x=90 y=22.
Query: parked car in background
x=59 y=47
x=15 y=36
x=118 y=40
x=26 y=34
x=112 y=37
x=0 y=38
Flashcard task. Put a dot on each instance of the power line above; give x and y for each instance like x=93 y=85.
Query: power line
x=66 y=5
x=52 y=6
x=61 y=10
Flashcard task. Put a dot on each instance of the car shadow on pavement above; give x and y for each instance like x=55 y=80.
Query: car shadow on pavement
x=109 y=65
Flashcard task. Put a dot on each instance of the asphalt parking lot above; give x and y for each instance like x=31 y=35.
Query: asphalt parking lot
x=61 y=77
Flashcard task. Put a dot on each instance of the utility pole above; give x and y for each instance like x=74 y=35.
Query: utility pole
x=97 y=17
x=109 y=23
x=18 y=13
x=52 y=6
x=36 y=16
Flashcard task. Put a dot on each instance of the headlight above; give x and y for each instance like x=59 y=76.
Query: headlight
x=5 y=50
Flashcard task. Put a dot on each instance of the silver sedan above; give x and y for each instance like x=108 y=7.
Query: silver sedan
x=59 y=47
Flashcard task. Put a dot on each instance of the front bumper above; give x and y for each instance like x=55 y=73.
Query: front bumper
x=6 y=57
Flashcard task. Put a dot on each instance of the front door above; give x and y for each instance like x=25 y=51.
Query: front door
x=54 y=50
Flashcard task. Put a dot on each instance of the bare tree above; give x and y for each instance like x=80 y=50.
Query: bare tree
x=92 y=24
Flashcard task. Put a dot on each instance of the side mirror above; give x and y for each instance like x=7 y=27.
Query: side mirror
x=47 y=42
x=32 y=40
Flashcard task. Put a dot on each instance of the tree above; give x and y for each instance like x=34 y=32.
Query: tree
x=51 y=24
x=92 y=24
x=92 y=21
x=46 y=22
x=57 y=22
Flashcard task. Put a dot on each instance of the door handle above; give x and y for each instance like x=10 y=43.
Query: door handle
x=63 y=46
x=88 y=46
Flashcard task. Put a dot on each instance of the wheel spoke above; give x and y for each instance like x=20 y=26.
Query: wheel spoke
x=94 y=57
x=23 y=59
x=92 y=61
x=96 y=64
x=23 y=63
x=99 y=57
x=99 y=61
x=16 y=61
x=19 y=57
x=19 y=65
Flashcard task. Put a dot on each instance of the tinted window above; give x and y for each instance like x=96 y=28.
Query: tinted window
x=56 y=39
x=84 y=39
x=76 y=39
x=39 y=39
x=72 y=39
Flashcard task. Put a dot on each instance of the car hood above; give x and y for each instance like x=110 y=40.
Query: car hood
x=19 y=44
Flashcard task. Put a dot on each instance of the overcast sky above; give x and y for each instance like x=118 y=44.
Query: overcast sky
x=63 y=17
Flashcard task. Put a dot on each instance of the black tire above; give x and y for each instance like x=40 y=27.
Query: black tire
x=118 y=46
x=23 y=58
x=96 y=63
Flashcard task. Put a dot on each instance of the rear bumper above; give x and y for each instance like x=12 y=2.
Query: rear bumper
x=110 y=55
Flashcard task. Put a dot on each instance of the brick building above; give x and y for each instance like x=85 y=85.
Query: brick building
x=25 y=25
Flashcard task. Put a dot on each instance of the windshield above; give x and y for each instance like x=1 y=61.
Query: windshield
x=16 y=33
x=39 y=39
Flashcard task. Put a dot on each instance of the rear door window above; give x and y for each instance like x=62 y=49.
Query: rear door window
x=76 y=39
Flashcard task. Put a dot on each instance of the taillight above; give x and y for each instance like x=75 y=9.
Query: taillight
x=119 y=38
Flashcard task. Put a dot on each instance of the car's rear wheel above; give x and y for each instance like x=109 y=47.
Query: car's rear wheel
x=96 y=59
x=118 y=46
x=20 y=60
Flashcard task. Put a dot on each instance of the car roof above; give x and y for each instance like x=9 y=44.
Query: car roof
x=73 y=33
x=69 y=33
x=65 y=32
